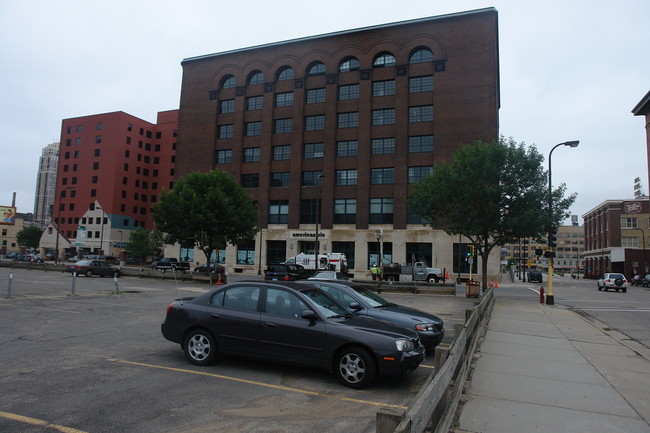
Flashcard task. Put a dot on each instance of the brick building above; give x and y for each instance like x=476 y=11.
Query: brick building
x=331 y=130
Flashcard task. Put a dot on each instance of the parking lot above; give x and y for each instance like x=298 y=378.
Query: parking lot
x=97 y=362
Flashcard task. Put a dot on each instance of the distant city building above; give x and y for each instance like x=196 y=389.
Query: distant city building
x=46 y=185
x=643 y=109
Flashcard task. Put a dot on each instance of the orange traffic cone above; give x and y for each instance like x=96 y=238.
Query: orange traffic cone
x=446 y=275
x=496 y=284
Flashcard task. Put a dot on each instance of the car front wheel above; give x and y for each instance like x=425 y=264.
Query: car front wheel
x=200 y=347
x=355 y=367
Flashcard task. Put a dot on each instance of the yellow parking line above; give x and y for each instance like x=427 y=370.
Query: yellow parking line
x=253 y=382
x=33 y=421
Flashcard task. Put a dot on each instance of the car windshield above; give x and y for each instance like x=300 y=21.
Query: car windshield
x=326 y=305
x=371 y=297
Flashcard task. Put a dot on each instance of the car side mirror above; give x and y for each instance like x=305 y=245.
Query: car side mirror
x=356 y=306
x=309 y=315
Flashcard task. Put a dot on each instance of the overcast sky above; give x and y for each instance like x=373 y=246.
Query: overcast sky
x=570 y=70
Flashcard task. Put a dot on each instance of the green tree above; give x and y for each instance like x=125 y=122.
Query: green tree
x=29 y=237
x=208 y=210
x=141 y=244
x=493 y=194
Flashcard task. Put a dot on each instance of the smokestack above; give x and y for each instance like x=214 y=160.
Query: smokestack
x=13 y=200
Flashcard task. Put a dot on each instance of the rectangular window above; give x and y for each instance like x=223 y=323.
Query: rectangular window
x=421 y=84
x=309 y=210
x=383 y=117
x=283 y=126
x=98 y=139
x=227 y=106
x=282 y=153
x=627 y=242
x=225 y=131
x=382 y=146
x=250 y=180
x=350 y=91
x=284 y=99
x=629 y=223
x=416 y=174
x=313 y=150
x=382 y=176
x=224 y=156
x=383 y=88
x=421 y=143
x=253 y=129
x=315 y=123
x=246 y=253
x=422 y=113
x=278 y=212
x=312 y=178
x=348 y=120
x=346 y=177
x=280 y=180
x=381 y=211
x=254 y=103
x=347 y=148
x=315 y=96
x=252 y=154
x=345 y=211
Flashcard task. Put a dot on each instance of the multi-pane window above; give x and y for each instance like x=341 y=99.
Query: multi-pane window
x=253 y=129
x=422 y=55
x=278 y=212
x=284 y=99
x=345 y=211
x=629 y=242
x=282 y=153
x=227 y=106
x=312 y=178
x=252 y=154
x=381 y=211
x=229 y=82
x=350 y=91
x=383 y=88
x=348 y=120
x=384 y=60
x=421 y=143
x=280 y=180
x=313 y=150
x=381 y=146
x=256 y=78
x=421 y=84
x=283 y=125
x=315 y=95
x=415 y=174
x=422 y=113
x=250 y=180
x=309 y=211
x=316 y=69
x=286 y=73
x=315 y=123
x=382 y=176
x=629 y=223
x=347 y=148
x=346 y=177
x=254 y=103
x=349 y=64
x=224 y=156
x=225 y=131
x=246 y=253
x=383 y=117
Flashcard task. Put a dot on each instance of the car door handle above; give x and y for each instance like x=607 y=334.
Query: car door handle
x=269 y=324
x=215 y=315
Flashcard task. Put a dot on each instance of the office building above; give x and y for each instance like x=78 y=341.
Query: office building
x=46 y=185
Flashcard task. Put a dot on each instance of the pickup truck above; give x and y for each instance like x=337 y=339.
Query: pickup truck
x=418 y=271
x=170 y=263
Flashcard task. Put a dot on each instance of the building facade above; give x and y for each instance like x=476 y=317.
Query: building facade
x=643 y=109
x=46 y=185
x=327 y=133
x=112 y=167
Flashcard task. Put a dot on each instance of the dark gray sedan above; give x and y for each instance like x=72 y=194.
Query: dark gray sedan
x=92 y=267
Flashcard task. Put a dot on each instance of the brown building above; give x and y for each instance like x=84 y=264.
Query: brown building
x=333 y=129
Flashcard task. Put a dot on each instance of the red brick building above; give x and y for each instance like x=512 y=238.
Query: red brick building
x=118 y=164
x=332 y=129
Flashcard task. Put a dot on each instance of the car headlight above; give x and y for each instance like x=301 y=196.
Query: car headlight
x=404 y=345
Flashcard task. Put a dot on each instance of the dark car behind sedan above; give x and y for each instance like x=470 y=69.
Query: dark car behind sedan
x=93 y=267
x=535 y=276
x=285 y=272
x=362 y=300
x=294 y=324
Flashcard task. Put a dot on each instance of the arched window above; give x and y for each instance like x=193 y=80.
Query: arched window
x=317 y=68
x=421 y=55
x=286 y=73
x=255 y=77
x=384 y=59
x=349 y=64
x=228 y=82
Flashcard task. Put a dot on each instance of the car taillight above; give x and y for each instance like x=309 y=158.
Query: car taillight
x=286 y=278
x=169 y=307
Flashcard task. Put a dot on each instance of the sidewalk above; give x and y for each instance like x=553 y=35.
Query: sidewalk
x=545 y=369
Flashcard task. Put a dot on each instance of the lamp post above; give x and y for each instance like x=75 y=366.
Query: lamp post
x=101 y=239
x=259 y=264
x=58 y=225
x=318 y=200
x=550 y=299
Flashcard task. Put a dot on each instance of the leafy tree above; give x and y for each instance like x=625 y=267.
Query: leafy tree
x=29 y=237
x=141 y=244
x=493 y=194
x=208 y=210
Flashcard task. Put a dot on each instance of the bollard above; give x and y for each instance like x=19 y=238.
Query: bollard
x=117 y=287
x=541 y=295
x=74 y=282
x=11 y=280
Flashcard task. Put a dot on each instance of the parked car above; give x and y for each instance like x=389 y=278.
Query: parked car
x=636 y=280
x=362 y=300
x=290 y=323
x=613 y=281
x=215 y=268
x=535 y=276
x=34 y=258
x=329 y=275
x=170 y=263
x=285 y=272
x=93 y=267
x=646 y=281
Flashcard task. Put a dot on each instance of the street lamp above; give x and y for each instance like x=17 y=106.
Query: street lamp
x=318 y=200
x=550 y=299
x=58 y=224
x=101 y=239
x=259 y=265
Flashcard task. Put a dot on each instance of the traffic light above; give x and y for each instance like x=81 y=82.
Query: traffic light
x=552 y=239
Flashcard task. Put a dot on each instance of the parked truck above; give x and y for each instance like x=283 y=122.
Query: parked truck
x=330 y=262
x=170 y=263
x=417 y=271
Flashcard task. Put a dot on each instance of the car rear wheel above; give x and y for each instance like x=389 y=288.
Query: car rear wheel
x=89 y=273
x=355 y=367
x=200 y=347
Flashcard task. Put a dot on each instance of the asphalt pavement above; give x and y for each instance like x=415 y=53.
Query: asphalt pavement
x=547 y=369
